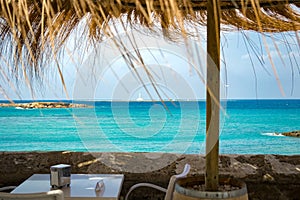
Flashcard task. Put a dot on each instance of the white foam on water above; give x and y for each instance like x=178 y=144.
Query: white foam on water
x=273 y=134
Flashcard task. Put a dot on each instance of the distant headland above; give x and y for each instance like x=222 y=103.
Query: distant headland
x=32 y=105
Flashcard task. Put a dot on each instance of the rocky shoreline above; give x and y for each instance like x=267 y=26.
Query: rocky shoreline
x=292 y=133
x=33 y=105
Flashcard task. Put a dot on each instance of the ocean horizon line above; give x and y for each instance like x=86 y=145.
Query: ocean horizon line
x=145 y=100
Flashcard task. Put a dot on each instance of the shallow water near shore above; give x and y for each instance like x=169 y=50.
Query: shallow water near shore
x=248 y=127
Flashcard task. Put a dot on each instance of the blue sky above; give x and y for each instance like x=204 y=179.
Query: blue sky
x=244 y=75
x=258 y=80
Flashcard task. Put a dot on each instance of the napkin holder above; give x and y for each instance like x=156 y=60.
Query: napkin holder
x=60 y=175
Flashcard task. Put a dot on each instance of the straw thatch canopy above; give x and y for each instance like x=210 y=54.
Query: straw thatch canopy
x=29 y=29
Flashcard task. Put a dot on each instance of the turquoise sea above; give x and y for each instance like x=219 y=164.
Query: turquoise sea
x=247 y=127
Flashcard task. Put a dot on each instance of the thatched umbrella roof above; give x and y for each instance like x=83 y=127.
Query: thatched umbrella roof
x=29 y=29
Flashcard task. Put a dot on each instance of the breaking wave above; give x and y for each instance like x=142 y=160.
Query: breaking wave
x=273 y=134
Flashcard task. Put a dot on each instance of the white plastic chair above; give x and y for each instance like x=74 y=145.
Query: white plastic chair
x=169 y=191
x=51 y=195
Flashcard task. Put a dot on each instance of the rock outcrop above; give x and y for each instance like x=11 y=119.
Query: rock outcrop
x=33 y=105
x=292 y=134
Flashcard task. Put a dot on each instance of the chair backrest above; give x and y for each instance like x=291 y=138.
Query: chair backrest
x=51 y=195
x=173 y=179
x=169 y=191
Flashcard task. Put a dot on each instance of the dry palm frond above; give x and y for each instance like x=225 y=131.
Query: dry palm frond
x=31 y=31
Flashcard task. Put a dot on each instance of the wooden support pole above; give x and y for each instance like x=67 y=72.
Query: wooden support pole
x=212 y=95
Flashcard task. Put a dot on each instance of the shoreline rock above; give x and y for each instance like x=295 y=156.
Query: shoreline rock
x=32 y=105
x=292 y=134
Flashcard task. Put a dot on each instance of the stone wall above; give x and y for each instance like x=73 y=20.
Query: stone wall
x=266 y=176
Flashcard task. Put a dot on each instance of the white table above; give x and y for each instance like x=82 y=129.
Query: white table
x=82 y=186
